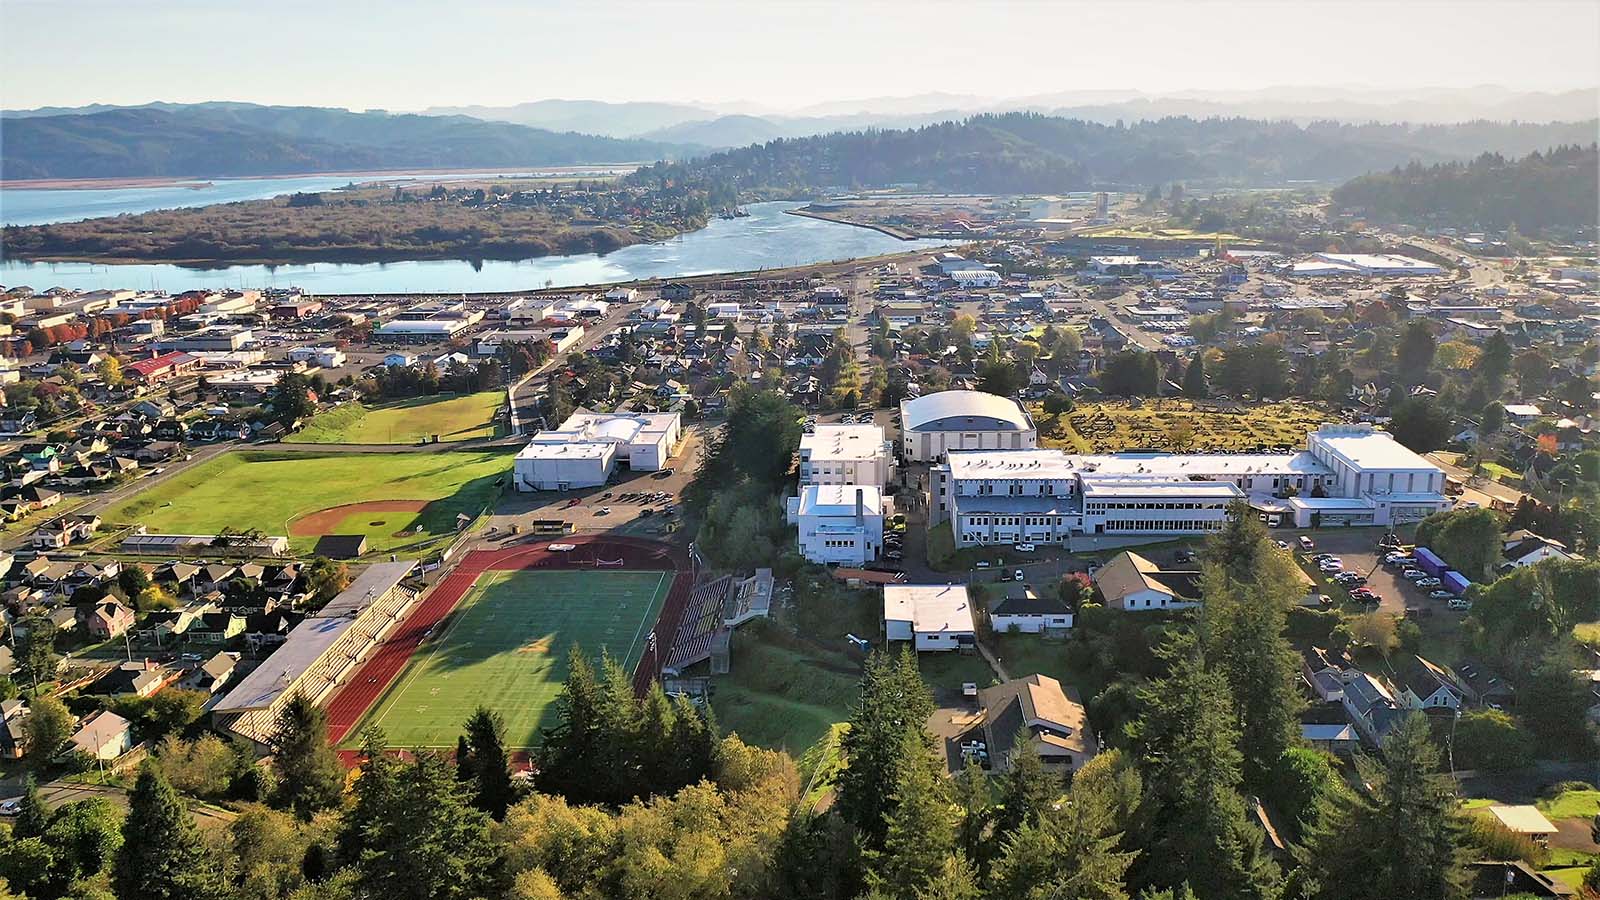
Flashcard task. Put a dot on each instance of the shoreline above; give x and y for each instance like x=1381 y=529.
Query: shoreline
x=199 y=182
x=889 y=230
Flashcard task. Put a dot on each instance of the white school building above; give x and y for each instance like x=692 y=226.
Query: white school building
x=589 y=446
x=1349 y=475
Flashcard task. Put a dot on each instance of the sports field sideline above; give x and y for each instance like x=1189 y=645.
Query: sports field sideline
x=506 y=645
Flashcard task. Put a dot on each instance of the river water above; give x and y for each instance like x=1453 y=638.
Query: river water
x=767 y=238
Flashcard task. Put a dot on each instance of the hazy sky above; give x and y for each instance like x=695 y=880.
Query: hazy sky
x=409 y=54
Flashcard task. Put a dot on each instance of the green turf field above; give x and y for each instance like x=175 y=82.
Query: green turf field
x=267 y=490
x=506 y=647
x=455 y=417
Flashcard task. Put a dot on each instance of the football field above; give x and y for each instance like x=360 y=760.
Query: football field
x=506 y=646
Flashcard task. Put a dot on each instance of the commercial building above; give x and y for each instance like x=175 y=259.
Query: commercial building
x=935 y=424
x=215 y=339
x=160 y=368
x=1370 y=265
x=838 y=523
x=934 y=617
x=846 y=454
x=1349 y=475
x=589 y=446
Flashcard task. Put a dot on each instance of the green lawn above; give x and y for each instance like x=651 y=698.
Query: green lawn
x=267 y=490
x=1572 y=805
x=1028 y=654
x=780 y=698
x=951 y=670
x=1588 y=633
x=1113 y=426
x=506 y=648
x=458 y=417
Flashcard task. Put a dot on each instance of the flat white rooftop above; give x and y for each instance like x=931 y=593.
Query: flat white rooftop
x=1039 y=464
x=1366 y=448
x=843 y=442
x=930 y=608
x=839 y=500
x=1101 y=489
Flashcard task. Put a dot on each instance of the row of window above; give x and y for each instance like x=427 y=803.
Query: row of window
x=1163 y=525
x=1102 y=507
x=838 y=545
x=1016 y=489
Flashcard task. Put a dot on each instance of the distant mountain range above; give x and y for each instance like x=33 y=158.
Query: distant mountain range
x=734 y=125
x=1027 y=153
x=239 y=139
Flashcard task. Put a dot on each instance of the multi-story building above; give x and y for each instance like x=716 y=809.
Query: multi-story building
x=846 y=454
x=589 y=446
x=1350 y=475
x=838 y=523
x=935 y=424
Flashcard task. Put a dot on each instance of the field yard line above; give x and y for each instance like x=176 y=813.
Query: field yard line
x=646 y=618
x=415 y=664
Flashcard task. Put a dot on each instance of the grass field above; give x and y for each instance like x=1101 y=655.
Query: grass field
x=1588 y=633
x=458 y=417
x=1113 y=426
x=506 y=648
x=266 y=490
x=778 y=697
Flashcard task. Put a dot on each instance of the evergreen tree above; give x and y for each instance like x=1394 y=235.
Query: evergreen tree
x=309 y=775
x=488 y=764
x=1400 y=834
x=431 y=845
x=1195 y=385
x=1243 y=627
x=32 y=815
x=1070 y=852
x=893 y=699
x=566 y=749
x=1192 y=825
x=374 y=790
x=920 y=830
x=695 y=737
x=1027 y=791
x=971 y=790
x=655 y=742
x=163 y=856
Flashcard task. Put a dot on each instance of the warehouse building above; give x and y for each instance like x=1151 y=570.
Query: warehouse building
x=589 y=446
x=935 y=424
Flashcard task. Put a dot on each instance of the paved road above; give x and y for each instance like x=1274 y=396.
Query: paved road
x=58 y=793
x=1111 y=310
x=1495 y=489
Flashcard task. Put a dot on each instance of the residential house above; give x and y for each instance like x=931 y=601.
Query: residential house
x=104 y=736
x=64 y=532
x=1421 y=684
x=1524 y=548
x=1337 y=738
x=164 y=626
x=12 y=736
x=1024 y=611
x=107 y=619
x=1132 y=583
x=934 y=617
x=215 y=628
x=210 y=676
x=140 y=677
x=1371 y=707
x=1324 y=670
x=1051 y=714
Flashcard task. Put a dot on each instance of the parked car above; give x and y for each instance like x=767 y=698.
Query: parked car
x=1413 y=574
x=1460 y=603
x=1019 y=575
x=1396 y=559
x=1429 y=582
x=1365 y=595
x=1329 y=566
x=1440 y=595
x=982 y=564
x=1282 y=545
x=1306 y=544
x=1184 y=556
x=1322 y=557
x=1023 y=547
x=893 y=554
x=1350 y=579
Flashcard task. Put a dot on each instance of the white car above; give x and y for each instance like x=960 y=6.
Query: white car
x=1019 y=575
x=1023 y=548
x=1460 y=603
x=1330 y=566
x=603 y=511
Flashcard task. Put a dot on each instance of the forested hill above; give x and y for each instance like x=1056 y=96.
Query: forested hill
x=1022 y=152
x=1558 y=188
x=244 y=139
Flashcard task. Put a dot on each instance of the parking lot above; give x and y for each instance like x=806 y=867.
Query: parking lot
x=1357 y=549
x=589 y=510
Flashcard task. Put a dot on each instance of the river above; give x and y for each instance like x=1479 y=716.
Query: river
x=767 y=238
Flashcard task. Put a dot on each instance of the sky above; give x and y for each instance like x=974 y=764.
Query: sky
x=769 y=55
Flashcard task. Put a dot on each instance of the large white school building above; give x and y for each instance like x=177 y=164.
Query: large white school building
x=589 y=446
x=1349 y=475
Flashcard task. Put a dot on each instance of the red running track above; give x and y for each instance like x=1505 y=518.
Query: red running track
x=374 y=675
